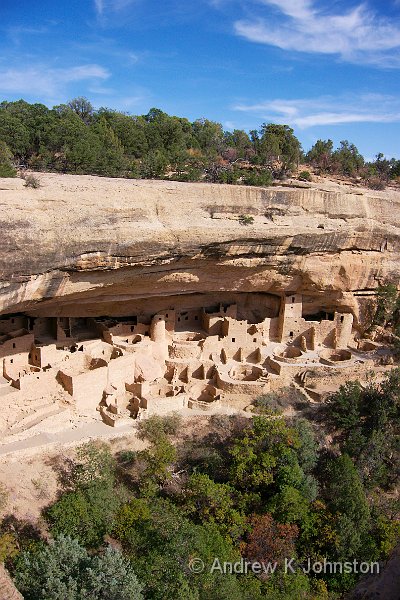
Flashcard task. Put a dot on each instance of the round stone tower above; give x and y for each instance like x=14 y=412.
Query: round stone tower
x=157 y=328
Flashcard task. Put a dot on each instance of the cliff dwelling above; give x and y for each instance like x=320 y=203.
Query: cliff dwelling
x=195 y=352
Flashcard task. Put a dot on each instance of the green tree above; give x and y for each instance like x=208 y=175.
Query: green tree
x=347 y=159
x=257 y=177
x=63 y=570
x=255 y=455
x=346 y=498
x=163 y=547
x=14 y=133
x=320 y=156
x=388 y=305
x=83 y=108
x=110 y=576
x=209 y=136
x=6 y=167
x=158 y=460
x=344 y=406
x=212 y=502
x=289 y=506
x=278 y=144
x=307 y=448
x=75 y=146
x=240 y=141
x=110 y=160
x=86 y=514
x=154 y=164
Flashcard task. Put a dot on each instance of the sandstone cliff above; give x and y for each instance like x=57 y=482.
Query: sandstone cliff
x=82 y=245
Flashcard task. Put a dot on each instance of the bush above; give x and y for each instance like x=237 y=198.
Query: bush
x=258 y=178
x=278 y=401
x=375 y=183
x=245 y=219
x=304 y=176
x=8 y=546
x=156 y=427
x=31 y=181
x=94 y=464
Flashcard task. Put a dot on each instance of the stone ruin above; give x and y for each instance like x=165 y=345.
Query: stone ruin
x=189 y=355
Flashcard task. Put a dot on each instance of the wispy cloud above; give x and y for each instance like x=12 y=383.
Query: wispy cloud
x=104 y=6
x=47 y=82
x=358 y=35
x=17 y=32
x=99 y=6
x=327 y=110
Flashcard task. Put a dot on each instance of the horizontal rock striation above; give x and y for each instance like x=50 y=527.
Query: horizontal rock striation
x=82 y=245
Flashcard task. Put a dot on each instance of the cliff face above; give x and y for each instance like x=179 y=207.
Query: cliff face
x=82 y=245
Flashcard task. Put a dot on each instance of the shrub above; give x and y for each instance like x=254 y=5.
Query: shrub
x=304 y=176
x=228 y=176
x=3 y=496
x=156 y=427
x=245 y=219
x=257 y=178
x=95 y=464
x=375 y=183
x=278 y=401
x=31 y=181
x=8 y=546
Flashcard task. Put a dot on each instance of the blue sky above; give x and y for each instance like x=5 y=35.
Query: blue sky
x=330 y=69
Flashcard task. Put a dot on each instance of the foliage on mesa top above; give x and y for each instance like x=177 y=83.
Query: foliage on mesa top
x=76 y=138
x=346 y=160
x=259 y=489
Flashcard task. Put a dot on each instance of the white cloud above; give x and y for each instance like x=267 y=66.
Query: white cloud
x=47 y=82
x=99 y=5
x=327 y=110
x=103 y=6
x=18 y=32
x=358 y=35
